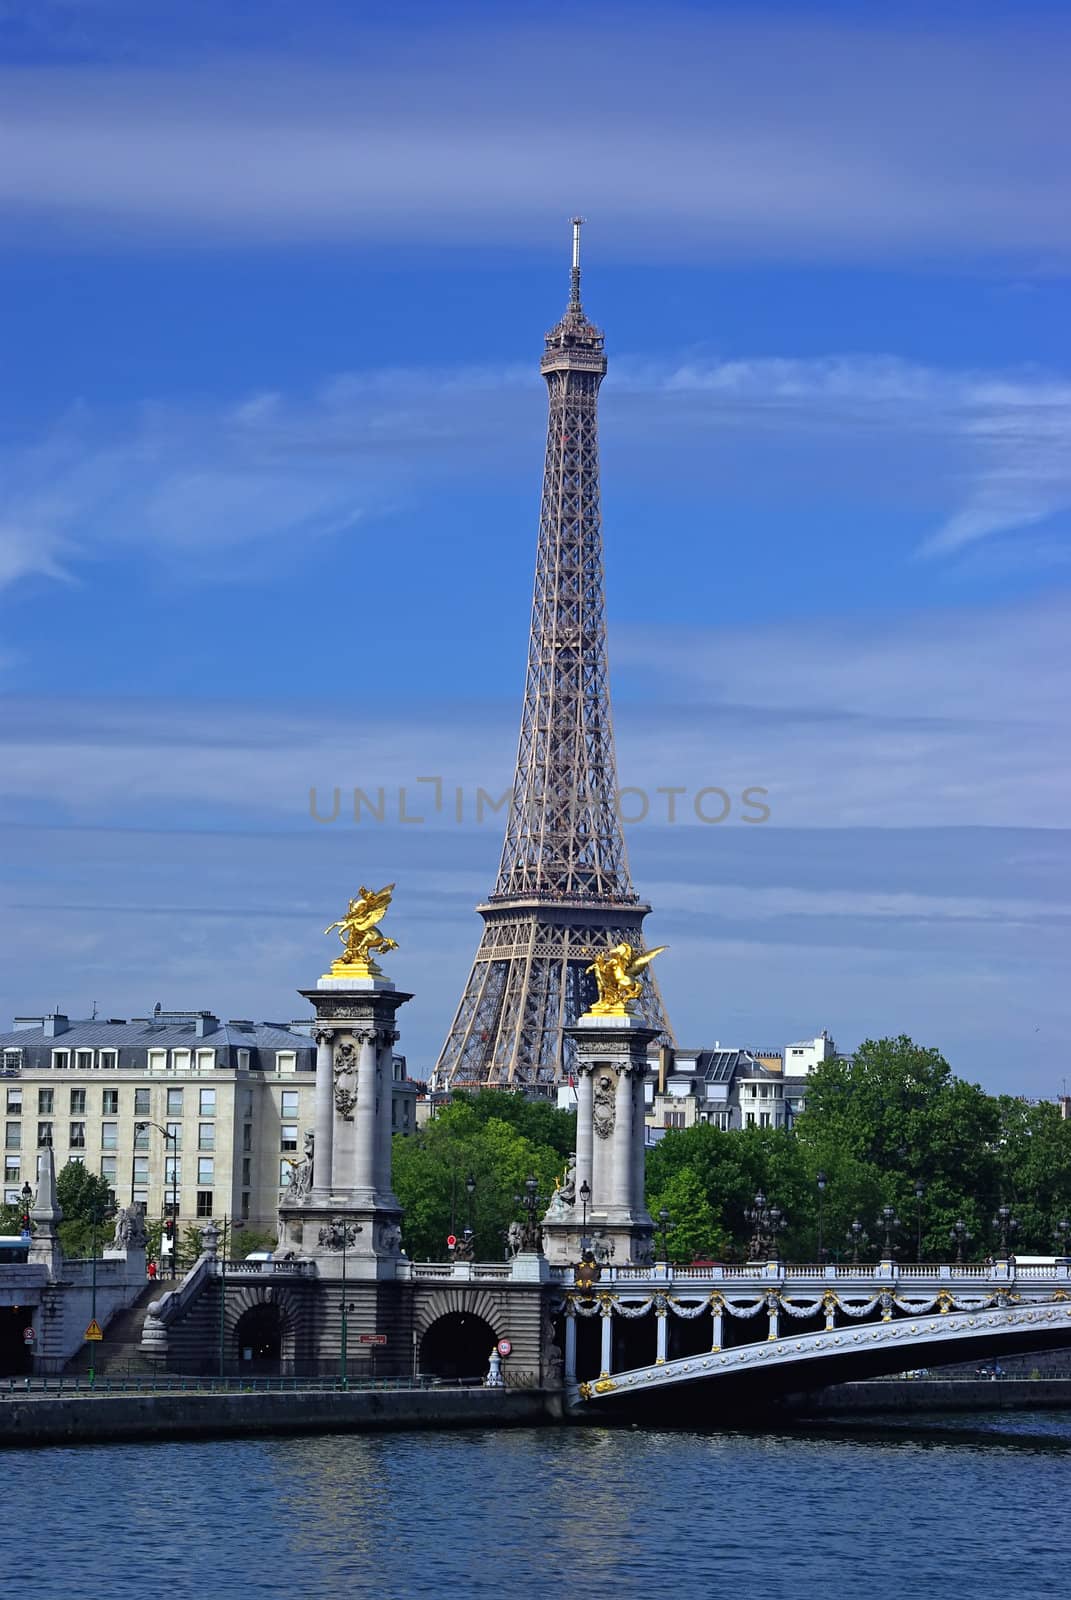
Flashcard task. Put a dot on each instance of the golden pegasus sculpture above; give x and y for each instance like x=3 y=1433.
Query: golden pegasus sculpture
x=359 y=932
x=617 y=975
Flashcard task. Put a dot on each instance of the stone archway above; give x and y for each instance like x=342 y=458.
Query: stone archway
x=262 y=1322
x=458 y=1345
x=456 y=1331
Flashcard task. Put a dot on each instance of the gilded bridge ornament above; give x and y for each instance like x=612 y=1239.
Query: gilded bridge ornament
x=359 y=932
x=617 y=974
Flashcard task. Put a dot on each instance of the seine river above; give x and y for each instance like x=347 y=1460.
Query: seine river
x=942 y=1507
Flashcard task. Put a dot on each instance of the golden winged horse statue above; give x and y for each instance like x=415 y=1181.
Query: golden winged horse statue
x=359 y=931
x=617 y=974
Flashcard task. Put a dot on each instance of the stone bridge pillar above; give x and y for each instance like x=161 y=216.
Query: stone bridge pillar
x=611 y=1066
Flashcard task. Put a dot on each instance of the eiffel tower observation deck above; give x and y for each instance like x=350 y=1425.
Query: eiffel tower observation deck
x=564 y=889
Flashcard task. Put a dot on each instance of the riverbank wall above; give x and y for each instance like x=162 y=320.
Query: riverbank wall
x=885 y=1396
x=95 y=1419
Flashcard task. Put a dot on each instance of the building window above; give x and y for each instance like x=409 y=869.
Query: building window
x=14 y=1102
x=141 y=1136
x=206 y=1060
x=78 y=1101
x=141 y=1172
x=109 y=1058
x=764 y=1119
x=208 y=1103
x=286 y=1172
x=674 y=1119
x=12 y=1060
x=205 y=1169
x=172 y=1171
x=245 y=1206
x=77 y=1140
x=204 y=1202
x=243 y=1061
x=109 y=1166
x=174 y=1102
x=12 y=1170
x=83 y=1060
x=157 y=1060
x=109 y=1136
x=76 y=1159
x=110 y=1102
x=206 y=1136
x=288 y=1136
x=14 y=1137
x=247 y=1136
x=290 y=1101
x=286 y=1061
x=44 y=1135
x=246 y=1165
x=61 y=1060
x=44 y=1102
x=749 y=1119
x=142 y=1101
x=180 y=1060
x=174 y=1135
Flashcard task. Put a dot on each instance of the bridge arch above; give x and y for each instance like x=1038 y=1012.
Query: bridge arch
x=262 y=1321
x=456 y=1331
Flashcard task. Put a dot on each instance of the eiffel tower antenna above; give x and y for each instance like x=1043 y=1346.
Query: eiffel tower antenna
x=564 y=888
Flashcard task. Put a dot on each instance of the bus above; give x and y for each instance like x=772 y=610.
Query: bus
x=14 y=1249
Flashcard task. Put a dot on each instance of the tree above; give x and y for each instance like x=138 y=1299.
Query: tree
x=431 y=1168
x=694 y=1230
x=86 y=1202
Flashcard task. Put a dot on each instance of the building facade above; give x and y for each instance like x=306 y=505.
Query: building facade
x=180 y=1112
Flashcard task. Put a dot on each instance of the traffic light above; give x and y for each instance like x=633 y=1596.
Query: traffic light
x=169 y=1228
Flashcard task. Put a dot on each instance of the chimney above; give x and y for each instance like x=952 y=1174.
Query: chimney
x=206 y=1023
x=55 y=1024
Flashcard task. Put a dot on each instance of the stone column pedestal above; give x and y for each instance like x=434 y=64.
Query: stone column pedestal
x=350 y=1188
x=611 y=1062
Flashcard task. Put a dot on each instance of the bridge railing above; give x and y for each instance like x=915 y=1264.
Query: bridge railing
x=840 y=1273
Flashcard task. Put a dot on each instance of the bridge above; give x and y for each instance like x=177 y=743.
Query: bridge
x=725 y=1339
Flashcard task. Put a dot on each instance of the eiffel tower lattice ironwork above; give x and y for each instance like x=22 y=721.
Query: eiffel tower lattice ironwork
x=564 y=888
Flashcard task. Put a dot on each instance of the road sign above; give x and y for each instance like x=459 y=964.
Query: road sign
x=451 y=1240
x=372 y=1338
x=28 y=1335
x=93 y=1331
x=504 y=1347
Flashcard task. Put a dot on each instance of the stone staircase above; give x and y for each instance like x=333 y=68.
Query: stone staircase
x=120 y=1349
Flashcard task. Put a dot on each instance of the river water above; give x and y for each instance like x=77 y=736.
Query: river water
x=944 y=1505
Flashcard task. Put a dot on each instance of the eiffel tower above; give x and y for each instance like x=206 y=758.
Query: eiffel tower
x=563 y=889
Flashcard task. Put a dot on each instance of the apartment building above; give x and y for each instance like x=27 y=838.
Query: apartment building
x=179 y=1110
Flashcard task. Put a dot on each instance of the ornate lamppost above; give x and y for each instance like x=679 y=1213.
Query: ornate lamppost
x=530 y=1202
x=339 y=1235
x=1006 y=1226
x=584 y=1193
x=465 y=1250
x=959 y=1234
x=27 y=1202
x=766 y=1222
x=821 y=1180
x=173 y=1140
x=920 y=1190
x=663 y=1234
x=890 y=1222
x=1061 y=1236
x=857 y=1236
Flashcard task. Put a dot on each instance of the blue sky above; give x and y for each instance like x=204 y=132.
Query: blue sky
x=275 y=282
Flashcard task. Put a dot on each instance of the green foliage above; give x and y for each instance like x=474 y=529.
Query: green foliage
x=876 y=1126
x=86 y=1203
x=245 y=1239
x=497 y=1138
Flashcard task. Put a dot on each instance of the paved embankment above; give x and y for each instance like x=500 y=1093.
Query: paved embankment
x=933 y=1394
x=91 y=1419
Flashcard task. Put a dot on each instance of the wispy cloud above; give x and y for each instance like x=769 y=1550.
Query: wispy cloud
x=761 y=134
x=976 y=454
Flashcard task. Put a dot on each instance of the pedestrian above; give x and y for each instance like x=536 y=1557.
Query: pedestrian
x=151 y=1270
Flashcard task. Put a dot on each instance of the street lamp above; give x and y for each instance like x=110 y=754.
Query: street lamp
x=920 y=1190
x=890 y=1222
x=663 y=1234
x=767 y=1222
x=858 y=1238
x=173 y=1138
x=1006 y=1226
x=470 y=1190
x=531 y=1233
x=99 y=1211
x=959 y=1234
x=585 y=1201
x=1061 y=1233
x=821 y=1180
x=27 y=1202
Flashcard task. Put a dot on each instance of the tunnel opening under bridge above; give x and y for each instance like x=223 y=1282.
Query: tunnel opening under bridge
x=458 y=1345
